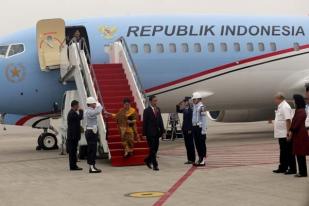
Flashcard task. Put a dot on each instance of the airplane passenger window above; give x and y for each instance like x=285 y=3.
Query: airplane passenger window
x=134 y=48
x=16 y=49
x=250 y=47
x=261 y=46
x=273 y=46
x=172 y=48
x=223 y=47
x=211 y=47
x=160 y=48
x=296 y=46
x=185 y=47
x=237 y=47
x=3 y=50
x=197 y=47
x=147 y=48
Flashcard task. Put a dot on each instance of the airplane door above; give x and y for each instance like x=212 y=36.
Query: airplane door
x=50 y=34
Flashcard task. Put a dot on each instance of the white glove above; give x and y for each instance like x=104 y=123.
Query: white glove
x=98 y=104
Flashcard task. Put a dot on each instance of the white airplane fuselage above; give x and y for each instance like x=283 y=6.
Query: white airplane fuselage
x=237 y=62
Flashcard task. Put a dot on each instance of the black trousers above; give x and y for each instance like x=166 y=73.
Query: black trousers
x=287 y=159
x=189 y=143
x=72 y=150
x=92 y=141
x=302 y=165
x=153 y=144
x=200 y=142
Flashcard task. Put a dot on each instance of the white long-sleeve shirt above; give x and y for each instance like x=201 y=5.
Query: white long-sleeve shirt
x=91 y=115
x=283 y=113
x=199 y=116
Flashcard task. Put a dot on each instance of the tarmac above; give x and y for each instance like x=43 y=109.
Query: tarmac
x=239 y=167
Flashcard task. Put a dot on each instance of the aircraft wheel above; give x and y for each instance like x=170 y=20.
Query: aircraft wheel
x=48 y=141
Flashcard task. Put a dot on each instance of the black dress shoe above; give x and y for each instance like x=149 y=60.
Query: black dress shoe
x=299 y=175
x=290 y=172
x=148 y=164
x=156 y=169
x=76 y=168
x=95 y=171
x=201 y=164
x=97 y=168
x=189 y=163
x=279 y=171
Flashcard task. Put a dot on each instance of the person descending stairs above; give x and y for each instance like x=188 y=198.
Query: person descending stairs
x=126 y=119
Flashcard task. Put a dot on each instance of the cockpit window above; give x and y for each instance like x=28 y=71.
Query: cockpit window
x=3 y=50
x=13 y=50
x=16 y=49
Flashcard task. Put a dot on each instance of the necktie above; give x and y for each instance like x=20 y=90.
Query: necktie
x=155 y=111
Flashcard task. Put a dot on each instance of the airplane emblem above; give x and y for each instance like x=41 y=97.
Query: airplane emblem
x=108 y=32
x=15 y=73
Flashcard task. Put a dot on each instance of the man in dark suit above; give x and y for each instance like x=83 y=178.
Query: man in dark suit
x=75 y=115
x=186 y=109
x=153 y=129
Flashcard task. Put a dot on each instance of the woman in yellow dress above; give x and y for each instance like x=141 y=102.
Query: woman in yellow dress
x=126 y=120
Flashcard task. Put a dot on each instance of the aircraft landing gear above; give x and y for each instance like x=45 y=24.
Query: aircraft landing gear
x=47 y=141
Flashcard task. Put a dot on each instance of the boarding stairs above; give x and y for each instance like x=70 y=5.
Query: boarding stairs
x=117 y=80
x=74 y=67
x=109 y=83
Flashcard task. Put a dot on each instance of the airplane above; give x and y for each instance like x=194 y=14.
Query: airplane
x=237 y=62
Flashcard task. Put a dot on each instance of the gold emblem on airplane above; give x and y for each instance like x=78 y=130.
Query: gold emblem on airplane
x=108 y=32
x=15 y=73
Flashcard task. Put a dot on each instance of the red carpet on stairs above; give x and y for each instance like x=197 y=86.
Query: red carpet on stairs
x=114 y=87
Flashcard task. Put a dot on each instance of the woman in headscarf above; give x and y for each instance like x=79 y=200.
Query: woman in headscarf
x=126 y=120
x=299 y=136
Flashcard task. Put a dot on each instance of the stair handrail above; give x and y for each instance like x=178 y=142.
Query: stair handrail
x=133 y=69
x=82 y=42
x=94 y=79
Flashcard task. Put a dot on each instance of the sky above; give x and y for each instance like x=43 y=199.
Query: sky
x=16 y=15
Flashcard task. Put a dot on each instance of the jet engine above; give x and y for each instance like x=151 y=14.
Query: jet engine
x=245 y=115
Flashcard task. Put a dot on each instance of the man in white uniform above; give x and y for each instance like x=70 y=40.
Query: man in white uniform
x=93 y=110
x=284 y=115
x=199 y=128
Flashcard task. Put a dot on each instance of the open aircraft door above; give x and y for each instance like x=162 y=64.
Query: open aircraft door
x=50 y=34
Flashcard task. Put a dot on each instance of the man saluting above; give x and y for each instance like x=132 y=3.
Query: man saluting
x=75 y=115
x=153 y=129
